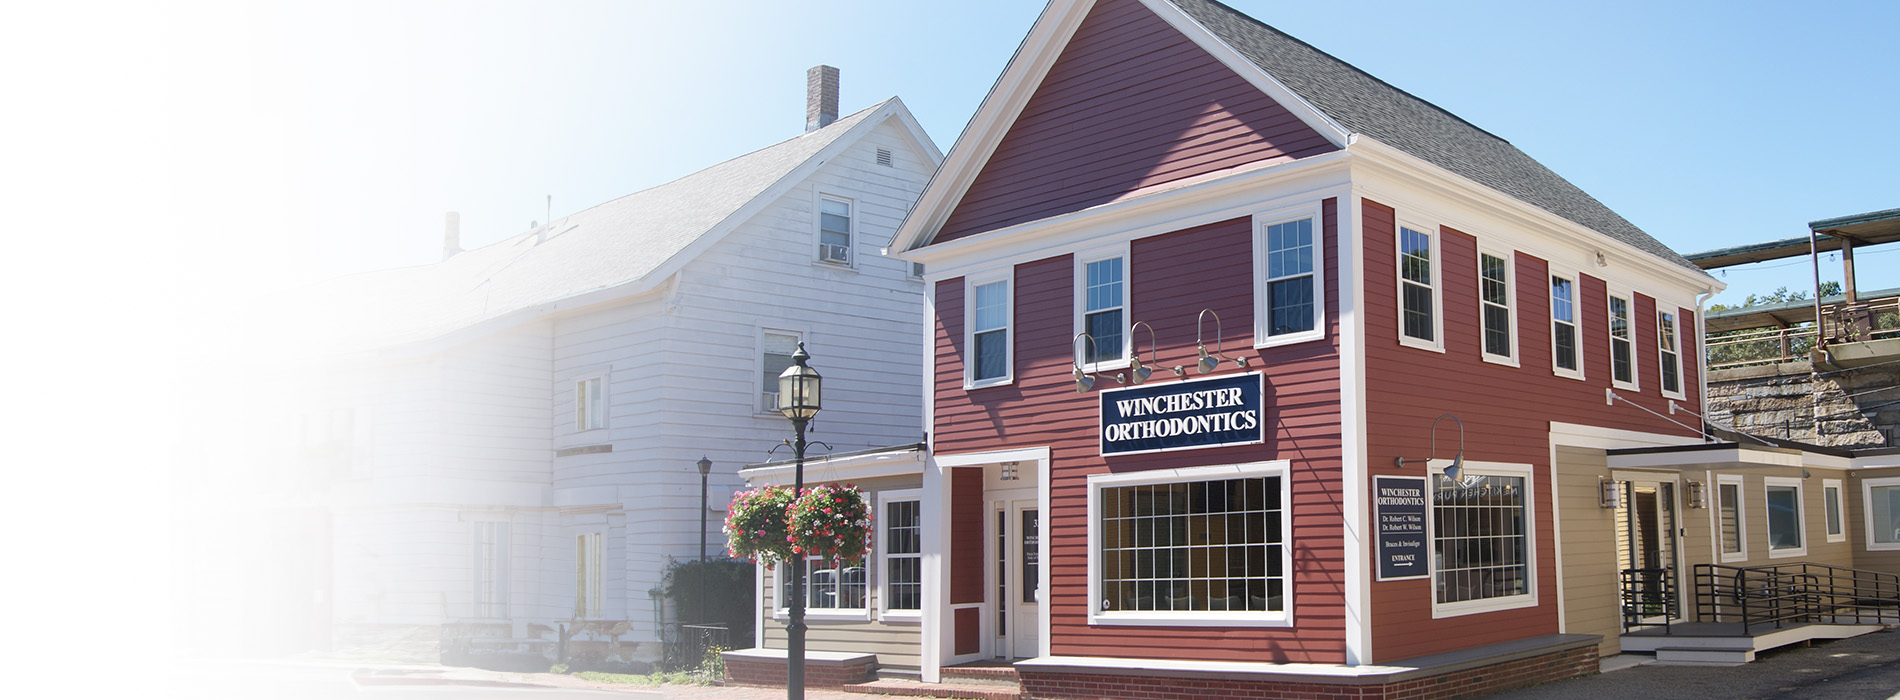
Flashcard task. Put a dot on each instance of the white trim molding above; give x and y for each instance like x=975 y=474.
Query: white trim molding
x=1263 y=222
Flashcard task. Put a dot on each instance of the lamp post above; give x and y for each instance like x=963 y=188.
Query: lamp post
x=798 y=389
x=705 y=467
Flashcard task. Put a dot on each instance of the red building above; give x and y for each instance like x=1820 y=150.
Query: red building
x=1254 y=371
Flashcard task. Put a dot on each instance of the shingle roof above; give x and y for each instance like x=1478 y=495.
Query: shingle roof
x=1367 y=105
x=611 y=244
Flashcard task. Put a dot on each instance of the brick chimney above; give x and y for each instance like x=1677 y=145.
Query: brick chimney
x=821 y=97
x=452 y=235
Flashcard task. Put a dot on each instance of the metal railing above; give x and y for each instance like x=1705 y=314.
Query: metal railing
x=1649 y=598
x=689 y=646
x=1867 y=320
x=1760 y=347
x=1779 y=595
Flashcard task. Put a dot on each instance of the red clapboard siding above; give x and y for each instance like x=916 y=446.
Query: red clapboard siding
x=1130 y=105
x=966 y=536
x=1171 y=278
x=1507 y=421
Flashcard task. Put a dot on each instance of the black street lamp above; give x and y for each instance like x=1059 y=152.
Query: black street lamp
x=798 y=389
x=705 y=466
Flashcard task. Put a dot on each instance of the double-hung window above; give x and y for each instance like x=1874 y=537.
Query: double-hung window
x=988 y=311
x=590 y=404
x=900 y=554
x=1831 y=510
x=1565 y=341
x=830 y=587
x=834 y=230
x=1732 y=523
x=1786 y=532
x=1494 y=307
x=1102 y=307
x=1289 y=297
x=1622 y=347
x=1192 y=545
x=1481 y=540
x=589 y=567
x=776 y=349
x=1881 y=500
x=1669 y=358
x=1418 y=289
x=491 y=570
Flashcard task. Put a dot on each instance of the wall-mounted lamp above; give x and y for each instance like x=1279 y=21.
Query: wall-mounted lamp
x=1609 y=493
x=1209 y=363
x=1696 y=495
x=1455 y=472
x=1008 y=471
x=1138 y=372
x=1083 y=380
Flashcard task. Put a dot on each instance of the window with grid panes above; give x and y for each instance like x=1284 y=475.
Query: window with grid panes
x=1418 y=297
x=1671 y=359
x=1102 y=312
x=903 y=556
x=1563 y=325
x=1494 y=287
x=1193 y=546
x=990 y=331
x=1292 y=258
x=1480 y=539
x=1622 y=352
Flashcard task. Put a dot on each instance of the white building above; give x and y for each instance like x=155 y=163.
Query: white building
x=513 y=431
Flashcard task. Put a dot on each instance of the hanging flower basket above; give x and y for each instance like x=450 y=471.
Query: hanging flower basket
x=767 y=525
x=831 y=522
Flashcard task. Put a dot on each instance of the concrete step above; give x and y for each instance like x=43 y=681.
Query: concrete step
x=966 y=691
x=1703 y=656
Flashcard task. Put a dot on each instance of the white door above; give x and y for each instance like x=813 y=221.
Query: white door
x=1019 y=596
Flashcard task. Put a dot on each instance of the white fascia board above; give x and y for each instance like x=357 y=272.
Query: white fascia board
x=1430 y=181
x=1263 y=81
x=1005 y=101
x=916 y=131
x=905 y=463
x=1719 y=458
x=1225 y=196
x=1591 y=436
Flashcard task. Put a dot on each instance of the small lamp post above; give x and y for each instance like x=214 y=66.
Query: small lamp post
x=798 y=393
x=705 y=467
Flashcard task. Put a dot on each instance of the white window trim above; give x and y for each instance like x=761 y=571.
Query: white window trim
x=597 y=576
x=504 y=556
x=1609 y=324
x=1867 y=487
x=1576 y=322
x=602 y=411
x=1741 y=518
x=758 y=365
x=1510 y=305
x=1839 y=501
x=1261 y=222
x=1212 y=618
x=1082 y=261
x=1437 y=343
x=1800 y=516
x=818 y=231
x=782 y=613
x=1528 y=599
x=1675 y=328
x=881 y=544
x=970 y=283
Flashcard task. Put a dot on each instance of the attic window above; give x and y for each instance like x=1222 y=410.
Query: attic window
x=884 y=157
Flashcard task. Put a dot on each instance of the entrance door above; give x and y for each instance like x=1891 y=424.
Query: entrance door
x=1018 y=575
x=1646 y=532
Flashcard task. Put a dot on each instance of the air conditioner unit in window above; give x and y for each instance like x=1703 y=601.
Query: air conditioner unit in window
x=768 y=401
x=834 y=253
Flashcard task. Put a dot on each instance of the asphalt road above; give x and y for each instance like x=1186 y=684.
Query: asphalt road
x=1862 y=668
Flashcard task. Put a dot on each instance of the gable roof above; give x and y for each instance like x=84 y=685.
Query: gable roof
x=1331 y=95
x=626 y=245
x=1370 y=106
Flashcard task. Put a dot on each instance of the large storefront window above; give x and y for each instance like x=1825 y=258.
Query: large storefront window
x=1173 y=547
x=1480 y=542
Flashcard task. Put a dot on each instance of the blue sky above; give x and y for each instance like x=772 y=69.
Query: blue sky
x=1706 y=124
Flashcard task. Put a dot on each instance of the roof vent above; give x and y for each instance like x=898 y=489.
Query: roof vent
x=884 y=157
x=821 y=97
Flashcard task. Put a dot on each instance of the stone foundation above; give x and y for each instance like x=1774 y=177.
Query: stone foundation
x=1784 y=401
x=823 y=669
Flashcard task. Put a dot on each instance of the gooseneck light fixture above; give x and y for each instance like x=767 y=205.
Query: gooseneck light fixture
x=1208 y=362
x=1084 y=381
x=1137 y=372
x=1457 y=467
x=799 y=389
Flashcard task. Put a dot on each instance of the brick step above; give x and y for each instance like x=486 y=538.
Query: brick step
x=982 y=674
x=919 y=689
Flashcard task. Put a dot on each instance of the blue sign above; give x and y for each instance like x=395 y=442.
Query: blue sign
x=1398 y=508
x=1184 y=415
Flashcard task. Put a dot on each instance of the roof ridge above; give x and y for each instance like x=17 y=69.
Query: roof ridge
x=1347 y=64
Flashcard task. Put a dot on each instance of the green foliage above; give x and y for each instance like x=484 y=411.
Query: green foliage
x=558 y=668
x=714 y=591
x=831 y=522
x=1781 y=295
x=755 y=525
